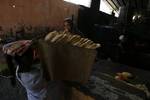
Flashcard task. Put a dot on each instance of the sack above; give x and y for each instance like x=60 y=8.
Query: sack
x=66 y=62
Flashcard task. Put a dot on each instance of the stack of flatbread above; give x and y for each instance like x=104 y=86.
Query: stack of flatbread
x=75 y=40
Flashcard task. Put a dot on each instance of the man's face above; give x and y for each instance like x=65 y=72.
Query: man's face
x=67 y=26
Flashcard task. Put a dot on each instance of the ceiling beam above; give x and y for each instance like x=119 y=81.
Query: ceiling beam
x=116 y=3
x=111 y=4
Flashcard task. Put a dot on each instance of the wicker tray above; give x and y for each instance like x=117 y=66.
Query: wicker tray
x=66 y=62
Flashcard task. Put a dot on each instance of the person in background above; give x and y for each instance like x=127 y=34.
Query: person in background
x=24 y=65
x=69 y=27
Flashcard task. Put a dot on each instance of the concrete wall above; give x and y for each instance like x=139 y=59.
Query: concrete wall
x=35 y=12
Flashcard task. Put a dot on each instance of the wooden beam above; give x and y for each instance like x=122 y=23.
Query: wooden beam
x=111 y=4
x=116 y=2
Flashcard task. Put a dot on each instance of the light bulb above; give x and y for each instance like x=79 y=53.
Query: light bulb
x=13 y=6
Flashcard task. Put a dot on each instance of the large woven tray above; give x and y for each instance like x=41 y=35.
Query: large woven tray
x=66 y=62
